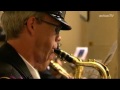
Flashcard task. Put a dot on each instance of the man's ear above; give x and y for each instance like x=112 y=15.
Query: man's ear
x=30 y=24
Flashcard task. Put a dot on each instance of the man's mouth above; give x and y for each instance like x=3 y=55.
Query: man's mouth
x=52 y=56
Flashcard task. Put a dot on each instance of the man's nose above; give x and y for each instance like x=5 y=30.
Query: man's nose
x=58 y=38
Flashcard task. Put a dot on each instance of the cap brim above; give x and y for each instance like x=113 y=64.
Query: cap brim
x=64 y=24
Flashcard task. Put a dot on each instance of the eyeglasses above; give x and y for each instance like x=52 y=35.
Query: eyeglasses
x=57 y=27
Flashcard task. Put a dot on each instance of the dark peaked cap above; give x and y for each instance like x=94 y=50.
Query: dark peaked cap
x=59 y=16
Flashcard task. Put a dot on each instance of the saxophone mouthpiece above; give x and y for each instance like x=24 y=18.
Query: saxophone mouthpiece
x=63 y=55
x=57 y=51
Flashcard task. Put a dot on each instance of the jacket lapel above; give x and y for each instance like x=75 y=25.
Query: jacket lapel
x=10 y=56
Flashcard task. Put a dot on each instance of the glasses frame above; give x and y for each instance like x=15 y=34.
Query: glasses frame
x=57 y=27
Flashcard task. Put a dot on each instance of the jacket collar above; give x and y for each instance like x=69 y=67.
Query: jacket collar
x=9 y=55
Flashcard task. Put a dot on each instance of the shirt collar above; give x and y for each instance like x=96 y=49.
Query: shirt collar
x=33 y=71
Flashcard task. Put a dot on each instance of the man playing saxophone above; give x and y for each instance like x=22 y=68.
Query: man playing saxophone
x=31 y=37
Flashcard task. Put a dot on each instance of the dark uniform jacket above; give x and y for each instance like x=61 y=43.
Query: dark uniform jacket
x=11 y=64
x=13 y=67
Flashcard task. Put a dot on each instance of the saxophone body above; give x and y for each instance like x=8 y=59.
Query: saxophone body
x=79 y=65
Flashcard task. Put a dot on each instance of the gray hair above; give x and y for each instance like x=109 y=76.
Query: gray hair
x=13 y=21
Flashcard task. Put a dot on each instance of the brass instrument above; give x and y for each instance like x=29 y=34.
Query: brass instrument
x=60 y=70
x=79 y=65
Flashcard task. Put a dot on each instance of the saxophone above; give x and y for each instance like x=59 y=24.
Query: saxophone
x=79 y=65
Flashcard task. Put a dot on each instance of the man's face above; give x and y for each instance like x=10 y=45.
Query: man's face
x=46 y=40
